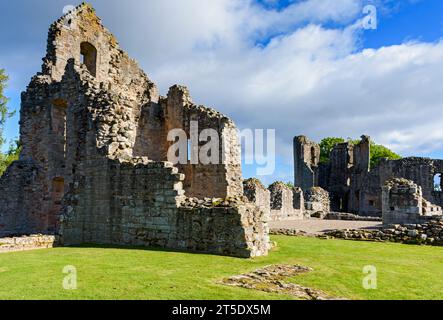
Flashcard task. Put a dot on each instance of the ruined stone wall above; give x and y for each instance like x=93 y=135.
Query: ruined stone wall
x=299 y=199
x=341 y=162
x=317 y=202
x=256 y=193
x=403 y=203
x=229 y=228
x=282 y=203
x=93 y=166
x=221 y=177
x=20 y=196
x=306 y=161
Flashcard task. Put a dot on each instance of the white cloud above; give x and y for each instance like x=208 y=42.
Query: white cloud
x=308 y=79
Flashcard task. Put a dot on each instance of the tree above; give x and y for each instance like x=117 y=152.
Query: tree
x=378 y=151
x=326 y=146
x=5 y=114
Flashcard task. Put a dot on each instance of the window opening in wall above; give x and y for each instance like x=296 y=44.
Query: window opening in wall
x=88 y=57
x=437 y=182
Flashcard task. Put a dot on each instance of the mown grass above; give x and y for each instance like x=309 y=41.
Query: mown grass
x=404 y=272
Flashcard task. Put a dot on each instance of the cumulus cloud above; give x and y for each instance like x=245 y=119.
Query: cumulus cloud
x=299 y=70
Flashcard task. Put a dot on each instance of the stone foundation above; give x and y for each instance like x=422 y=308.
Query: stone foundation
x=26 y=243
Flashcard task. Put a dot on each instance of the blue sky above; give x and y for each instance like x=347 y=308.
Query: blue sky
x=300 y=67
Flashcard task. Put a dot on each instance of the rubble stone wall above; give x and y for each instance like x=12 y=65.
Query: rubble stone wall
x=282 y=203
x=26 y=243
x=256 y=193
x=317 y=202
x=403 y=203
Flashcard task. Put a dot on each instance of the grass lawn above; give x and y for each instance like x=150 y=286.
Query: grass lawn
x=404 y=272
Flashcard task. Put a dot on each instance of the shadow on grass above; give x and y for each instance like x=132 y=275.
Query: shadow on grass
x=151 y=249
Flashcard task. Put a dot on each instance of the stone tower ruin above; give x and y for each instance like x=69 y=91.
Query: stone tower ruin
x=94 y=169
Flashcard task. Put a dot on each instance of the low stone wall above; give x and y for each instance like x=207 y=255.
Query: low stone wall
x=232 y=228
x=349 y=217
x=428 y=234
x=26 y=243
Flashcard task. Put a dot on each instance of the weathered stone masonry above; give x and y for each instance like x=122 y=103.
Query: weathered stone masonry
x=94 y=168
x=279 y=202
x=354 y=186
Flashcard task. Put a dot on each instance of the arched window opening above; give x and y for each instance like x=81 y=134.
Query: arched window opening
x=89 y=57
x=437 y=182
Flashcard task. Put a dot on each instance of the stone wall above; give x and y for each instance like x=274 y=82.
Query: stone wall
x=429 y=233
x=20 y=201
x=94 y=166
x=317 y=203
x=282 y=203
x=26 y=243
x=403 y=203
x=225 y=227
x=306 y=161
x=257 y=193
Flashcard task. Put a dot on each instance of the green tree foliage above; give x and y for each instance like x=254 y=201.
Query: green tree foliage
x=9 y=157
x=14 y=149
x=326 y=146
x=378 y=151
x=4 y=114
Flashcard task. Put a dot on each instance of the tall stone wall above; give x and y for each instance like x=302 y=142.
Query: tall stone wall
x=94 y=164
x=306 y=162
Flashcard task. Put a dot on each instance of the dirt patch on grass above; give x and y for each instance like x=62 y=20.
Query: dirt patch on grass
x=272 y=279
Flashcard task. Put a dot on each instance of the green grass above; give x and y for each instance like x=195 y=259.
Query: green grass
x=404 y=272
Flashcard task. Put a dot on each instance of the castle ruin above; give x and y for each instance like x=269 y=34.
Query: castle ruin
x=357 y=188
x=94 y=166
